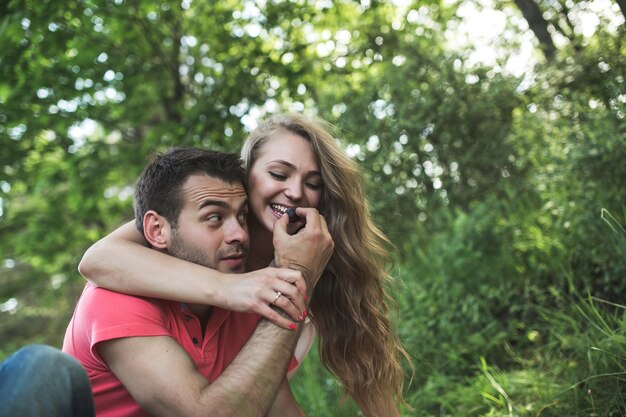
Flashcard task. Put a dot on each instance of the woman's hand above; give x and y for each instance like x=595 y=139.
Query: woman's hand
x=255 y=292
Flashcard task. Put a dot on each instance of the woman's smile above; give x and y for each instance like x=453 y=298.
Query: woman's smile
x=285 y=175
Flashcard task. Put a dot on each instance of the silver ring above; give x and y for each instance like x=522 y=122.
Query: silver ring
x=278 y=294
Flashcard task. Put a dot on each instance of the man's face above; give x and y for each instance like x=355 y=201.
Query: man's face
x=212 y=228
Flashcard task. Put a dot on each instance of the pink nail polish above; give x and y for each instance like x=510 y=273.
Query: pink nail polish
x=292 y=326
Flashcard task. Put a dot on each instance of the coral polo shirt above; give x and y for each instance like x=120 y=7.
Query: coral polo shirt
x=102 y=315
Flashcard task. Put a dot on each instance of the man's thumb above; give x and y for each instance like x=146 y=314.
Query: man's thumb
x=280 y=226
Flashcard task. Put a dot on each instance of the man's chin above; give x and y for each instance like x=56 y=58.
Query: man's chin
x=233 y=266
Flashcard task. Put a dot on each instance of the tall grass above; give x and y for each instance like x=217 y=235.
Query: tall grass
x=577 y=368
x=564 y=356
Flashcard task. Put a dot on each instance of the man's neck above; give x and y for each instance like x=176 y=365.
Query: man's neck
x=261 y=248
x=201 y=311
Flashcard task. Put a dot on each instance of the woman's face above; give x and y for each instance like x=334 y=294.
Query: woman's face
x=284 y=175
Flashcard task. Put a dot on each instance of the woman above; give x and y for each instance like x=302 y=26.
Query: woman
x=292 y=161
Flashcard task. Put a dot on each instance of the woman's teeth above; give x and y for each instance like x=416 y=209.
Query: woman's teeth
x=278 y=208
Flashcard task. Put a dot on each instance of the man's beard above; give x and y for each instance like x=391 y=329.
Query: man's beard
x=180 y=249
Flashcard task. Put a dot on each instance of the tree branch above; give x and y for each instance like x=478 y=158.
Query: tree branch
x=531 y=12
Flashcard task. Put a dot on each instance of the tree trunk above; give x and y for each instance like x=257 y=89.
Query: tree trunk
x=622 y=6
x=531 y=12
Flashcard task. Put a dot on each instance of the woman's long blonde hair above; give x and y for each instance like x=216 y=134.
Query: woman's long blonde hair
x=349 y=303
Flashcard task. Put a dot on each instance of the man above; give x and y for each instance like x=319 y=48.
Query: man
x=163 y=358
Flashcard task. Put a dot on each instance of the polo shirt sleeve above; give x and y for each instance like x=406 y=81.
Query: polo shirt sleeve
x=106 y=315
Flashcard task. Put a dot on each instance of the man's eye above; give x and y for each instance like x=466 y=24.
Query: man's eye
x=214 y=218
x=278 y=176
x=243 y=217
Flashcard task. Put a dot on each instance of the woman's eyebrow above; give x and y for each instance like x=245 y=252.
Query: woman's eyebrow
x=282 y=162
x=292 y=166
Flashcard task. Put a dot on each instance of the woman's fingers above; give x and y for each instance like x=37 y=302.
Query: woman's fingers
x=293 y=277
x=272 y=315
x=258 y=291
x=290 y=300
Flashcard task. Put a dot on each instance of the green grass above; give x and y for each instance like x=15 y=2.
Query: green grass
x=577 y=369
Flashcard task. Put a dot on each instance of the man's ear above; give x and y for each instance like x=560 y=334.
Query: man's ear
x=156 y=229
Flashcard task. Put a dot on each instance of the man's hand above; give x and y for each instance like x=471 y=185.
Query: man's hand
x=308 y=250
x=256 y=291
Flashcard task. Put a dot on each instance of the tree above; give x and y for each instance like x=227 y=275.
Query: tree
x=531 y=12
x=489 y=185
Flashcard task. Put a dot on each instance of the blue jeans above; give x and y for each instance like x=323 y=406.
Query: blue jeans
x=39 y=381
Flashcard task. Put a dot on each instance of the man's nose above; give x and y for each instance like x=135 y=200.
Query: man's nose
x=236 y=232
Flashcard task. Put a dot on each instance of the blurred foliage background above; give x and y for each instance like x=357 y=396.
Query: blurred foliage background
x=496 y=165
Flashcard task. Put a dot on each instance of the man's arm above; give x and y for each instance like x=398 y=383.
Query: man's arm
x=285 y=404
x=165 y=381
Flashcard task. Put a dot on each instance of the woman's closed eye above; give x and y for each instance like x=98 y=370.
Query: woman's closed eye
x=314 y=185
x=278 y=176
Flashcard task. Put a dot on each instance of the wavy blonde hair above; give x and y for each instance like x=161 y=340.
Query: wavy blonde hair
x=349 y=304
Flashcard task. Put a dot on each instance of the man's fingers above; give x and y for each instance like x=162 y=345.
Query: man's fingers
x=324 y=223
x=310 y=214
x=281 y=224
